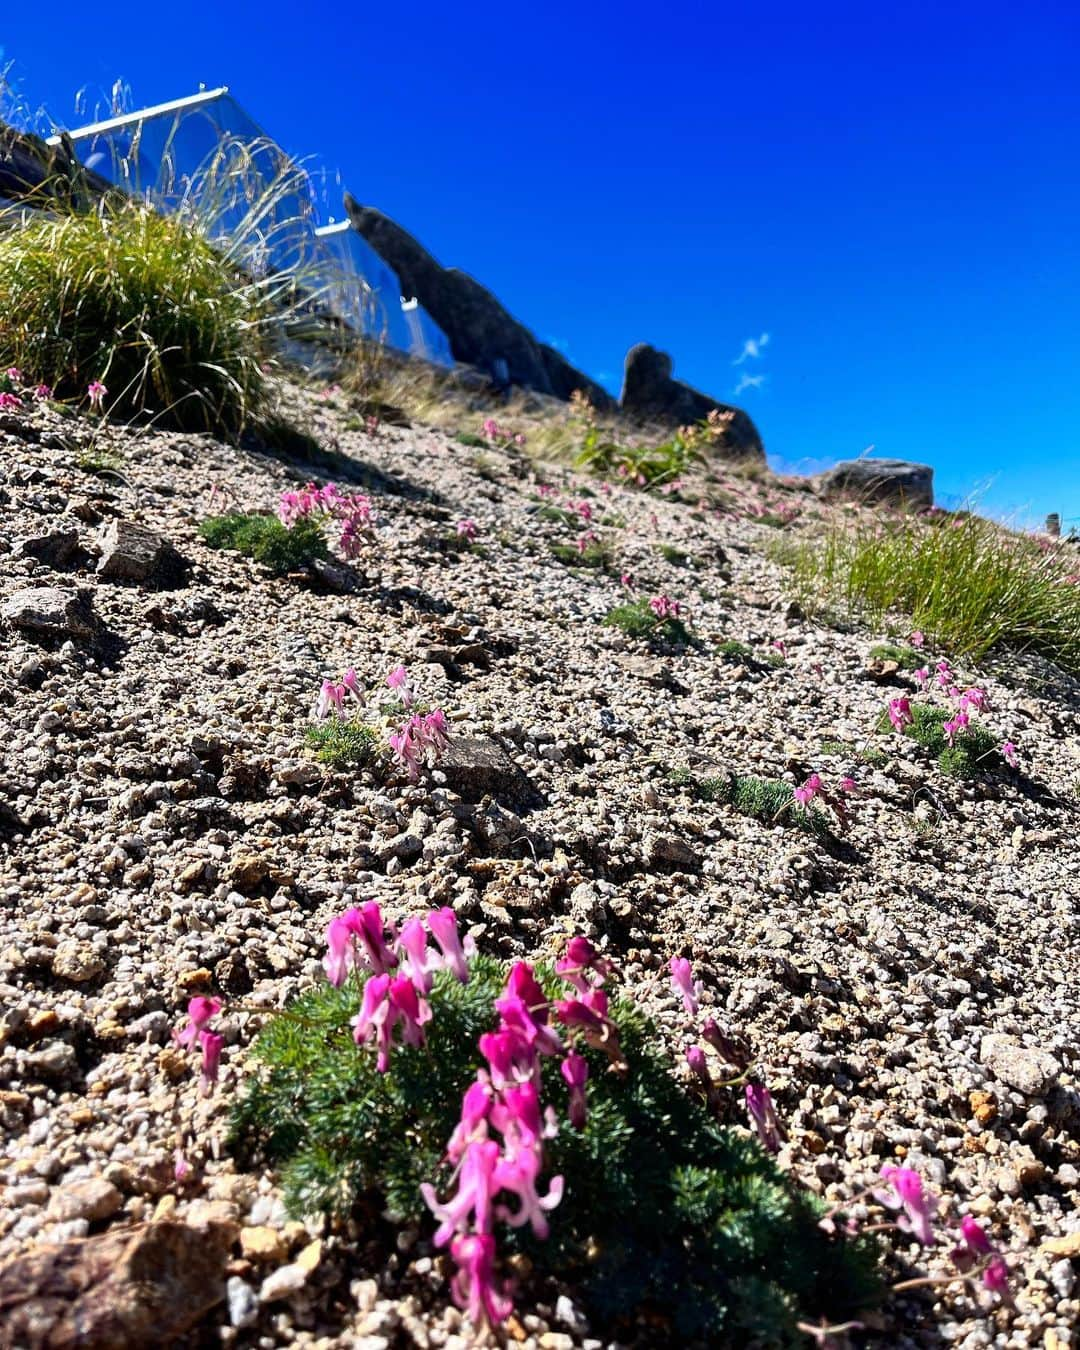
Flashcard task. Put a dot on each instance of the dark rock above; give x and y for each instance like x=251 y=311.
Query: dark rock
x=57 y=548
x=476 y=768
x=880 y=480
x=481 y=332
x=650 y=392
x=141 y=1287
x=51 y=611
x=131 y=552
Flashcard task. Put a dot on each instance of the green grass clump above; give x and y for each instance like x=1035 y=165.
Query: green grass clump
x=907 y=658
x=866 y=754
x=663 y=1209
x=470 y=439
x=637 y=620
x=970 y=583
x=596 y=554
x=266 y=539
x=342 y=744
x=974 y=750
x=676 y=556
x=141 y=302
x=732 y=650
x=769 y=800
x=557 y=515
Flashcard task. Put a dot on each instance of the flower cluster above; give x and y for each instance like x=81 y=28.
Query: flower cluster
x=965 y=702
x=815 y=789
x=201 y=1012
x=399 y=967
x=14 y=389
x=733 y=1053
x=419 y=740
x=665 y=608
x=497 y=435
x=95 y=392
x=352 y=509
x=333 y=693
x=497 y=1147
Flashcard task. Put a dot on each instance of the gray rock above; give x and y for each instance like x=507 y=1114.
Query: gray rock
x=671 y=851
x=51 y=611
x=481 y=332
x=55 y=1060
x=57 y=548
x=77 y=961
x=131 y=552
x=650 y=392
x=476 y=768
x=92 y=1200
x=243 y=1304
x=879 y=480
x=283 y=1283
x=1026 y=1068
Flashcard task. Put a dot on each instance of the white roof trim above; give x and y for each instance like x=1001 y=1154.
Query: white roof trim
x=336 y=227
x=111 y=124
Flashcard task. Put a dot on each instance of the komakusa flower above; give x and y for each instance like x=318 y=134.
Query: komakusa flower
x=900 y=713
x=474 y=1287
x=1009 y=755
x=805 y=794
x=682 y=977
x=10 y=401
x=443 y=926
x=575 y=1073
x=95 y=392
x=466 y=529
x=398 y=681
x=908 y=1193
x=759 y=1103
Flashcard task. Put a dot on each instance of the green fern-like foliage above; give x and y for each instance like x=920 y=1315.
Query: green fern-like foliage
x=596 y=554
x=664 y=1210
x=342 y=744
x=974 y=750
x=266 y=539
x=637 y=620
x=733 y=650
x=770 y=800
x=907 y=658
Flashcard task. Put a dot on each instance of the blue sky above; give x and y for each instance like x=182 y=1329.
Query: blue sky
x=889 y=193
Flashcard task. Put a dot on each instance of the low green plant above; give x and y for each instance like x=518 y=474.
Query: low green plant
x=866 y=754
x=733 y=650
x=595 y=554
x=969 y=583
x=140 y=301
x=342 y=744
x=974 y=750
x=637 y=620
x=769 y=800
x=474 y=442
x=266 y=539
x=557 y=515
x=907 y=658
x=677 y=557
x=664 y=1211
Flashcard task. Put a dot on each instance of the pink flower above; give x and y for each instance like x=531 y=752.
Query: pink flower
x=444 y=929
x=374 y=1017
x=200 y=1013
x=1009 y=755
x=398 y=680
x=331 y=696
x=921 y=676
x=953 y=726
x=466 y=529
x=211 y=1053
x=575 y=1072
x=14 y=374
x=181 y=1166
x=780 y=647
x=759 y=1103
x=418 y=963
x=996 y=1276
x=682 y=978
x=847 y=785
x=664 y=607
x=476 y=1188
x=10 y=401
x=340 y=955
x=973 y=1244
x=805 y=795
x=95 y=392
x=584 y=540
x=900 y=713
x=944 y=674
x=907 y=1193
x=974 y=698
x=43 y=392
x=626 y=580
x=519 y=1173
x=917 y=638
x=698 y=1064
x=474 y=1287
x=581 y=957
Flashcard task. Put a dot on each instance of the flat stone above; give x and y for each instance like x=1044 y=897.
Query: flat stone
x=57 y=548
x=283 y=1283
x=259 y=1243
x=51 y=611
x=90 y=1200
x=138 y=1289
x=1026 y=1068
x=132 y=552
x=1068 y=1245
x=879 y=480
x=476 y=767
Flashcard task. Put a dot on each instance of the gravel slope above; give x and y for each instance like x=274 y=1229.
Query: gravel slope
x=163 y=832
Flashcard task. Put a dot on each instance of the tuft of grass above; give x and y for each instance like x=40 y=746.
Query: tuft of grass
x=637 y=620
x=969 y=583
x=265 y=539
x=769 y=800
x=342 y=744
x=907 y=658
x=595 y=555
x=733 y=650
x=866 y=754
x=143 y=303
x=677 y=557
x=557 y=515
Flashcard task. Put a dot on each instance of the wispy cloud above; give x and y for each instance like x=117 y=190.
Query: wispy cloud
x=752 y=348
x=750 y=382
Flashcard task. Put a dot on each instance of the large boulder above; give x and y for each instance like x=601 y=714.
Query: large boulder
x=897 y=481
x=651 y=393
x=481 y=331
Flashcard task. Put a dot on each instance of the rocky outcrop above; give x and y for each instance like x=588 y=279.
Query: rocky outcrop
x=898 y=481
x=481 y=331
x=650 y=392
